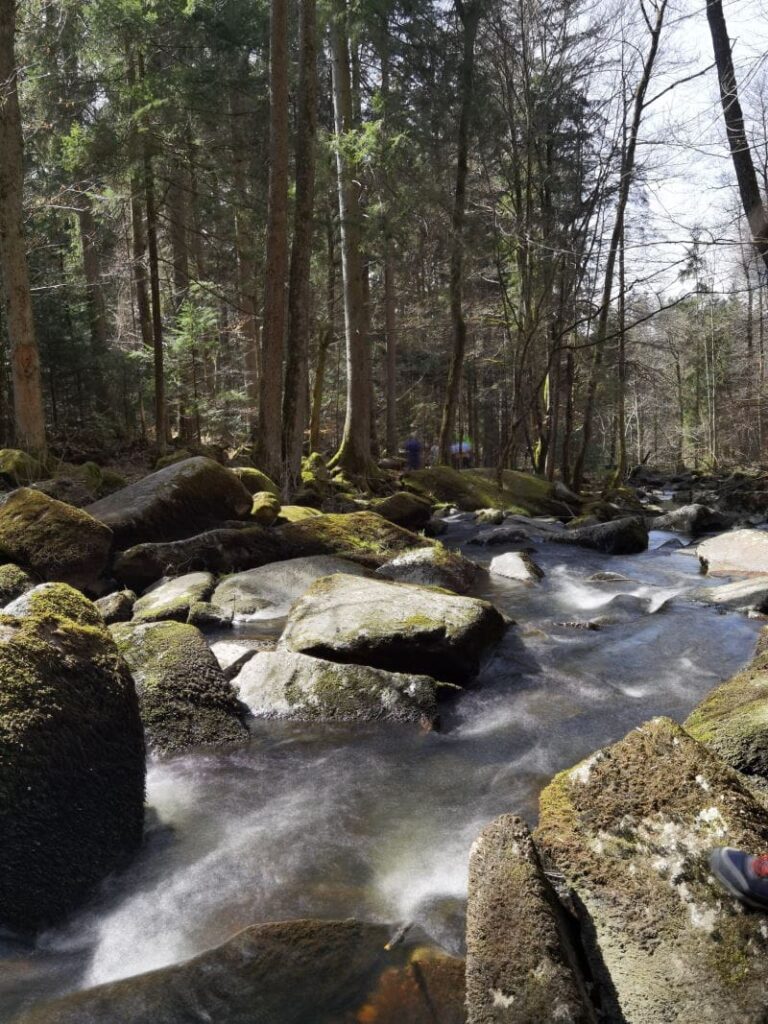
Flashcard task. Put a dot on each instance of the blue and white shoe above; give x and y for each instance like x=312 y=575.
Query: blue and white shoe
x=744 y=876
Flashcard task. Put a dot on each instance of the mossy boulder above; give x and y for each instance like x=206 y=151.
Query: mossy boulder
x=116 y=607
x=627 y=536
x=743 y=552
x=692 y=520
x=178 y=501
x=473 y=489
x=14 y=581
x=173 y=598
x=171 y=458
x=56 y=599
x=185 y=700
x=217 y=551
x=255 y=481
x=17 y=468
x=433 y=567
x=521 y=958
x=71 y=759
x=265 y=508
x=733 y=718
x=404 y=509
x=360 y=536
x=395 y=626
x=296 y=513
x=282 y=684
x=52 y=539
x=268 y=591
x=630 y=828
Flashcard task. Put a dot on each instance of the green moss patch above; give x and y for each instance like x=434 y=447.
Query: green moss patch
x=473 y=489
x=361 y=536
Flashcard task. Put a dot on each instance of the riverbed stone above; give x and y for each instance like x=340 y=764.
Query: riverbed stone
x=282 y=684
x=626 y=536
x=404 y=509
x=265 y=508
x=270 y=590
x=173 y=598
x=177 y=501
x=218 y=551
x=185 y=700
x=693 y=519
x=433 y=567
x=746 y=595
x=630 y=828
x=53 y=540
x=233 y=654
x=520 y=953
x=395 y=626
x=71 y=758
x=363 y=537
x=743 y=552
x=516 y=565
x=14 y=581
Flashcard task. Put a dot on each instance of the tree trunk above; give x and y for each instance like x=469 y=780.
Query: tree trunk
x=29 y=414
x=161 y=421
x=97 y=313
x=273 y=335
x=469 y=15
x=178 y=229
x=297 y=348
x=354 y=454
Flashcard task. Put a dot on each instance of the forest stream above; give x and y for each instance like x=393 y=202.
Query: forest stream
x=376 y=822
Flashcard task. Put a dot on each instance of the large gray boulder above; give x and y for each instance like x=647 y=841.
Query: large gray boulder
x=627 y=536
x=432 y=567
x=631 y=828
x=185 y=700
x=394 y=626
x=71 y=758
x=177 y=501
x=744 y=552
x=746 y=595
x=218 y=551
x=282 y=684
x=363 y=537
x=53 y=540
x=116 y=607
x=520 y=954
x=693 y=520
x=270 y=590
x=404 y=509
x=173 y=598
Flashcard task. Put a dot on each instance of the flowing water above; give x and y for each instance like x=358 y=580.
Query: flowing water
x=376 y=822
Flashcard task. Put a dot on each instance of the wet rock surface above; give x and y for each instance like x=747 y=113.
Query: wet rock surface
x=516 y=565
x=627 y=536
x=432 y=567
x=740 y=552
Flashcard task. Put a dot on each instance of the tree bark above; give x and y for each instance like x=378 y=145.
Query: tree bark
x=29 y=414
x=295 y=392
x=178 y=189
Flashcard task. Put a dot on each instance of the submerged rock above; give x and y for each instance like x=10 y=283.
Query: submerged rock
x=516 y=565
x=117 y=607
x=432 y=567
x=360 y=536
x=521 y=963
x=630 y=828
x=740 y=551
x=693 y=519
x=742 y=596
x=180 y=500
x=404 y=509
x=394 y=626
x=71 y=758
x=275 y=587
x=217 y=551
x=54 y=540
x=282 y=684
x=184 y=698
x=628 y=536
x=173 y=598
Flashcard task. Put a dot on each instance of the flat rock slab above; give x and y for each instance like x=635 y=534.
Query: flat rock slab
x=520 y=959
x=269 y=590
x=283 y=684
x=173 y=502
x=172 y=599
x=395 y=626
x=233 y=654
x=744 y=552
x=516 y=565
x=364 y=537
x=742 y=595
x=631 y=828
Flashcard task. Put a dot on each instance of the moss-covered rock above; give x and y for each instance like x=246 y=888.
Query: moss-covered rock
x=627 y=536
x=185 y=700
x=520 y=955
x=173 y=598
x=116 y=607
x=174 y=502
x=80 y=485
x=51 y=600
x=404 y=509
x=631 y=828
x=360 y=536
x=71 y=759
x=268 y=591
x=394 y=626
x=282 y=684
x=255 y=481
x=53 y=540
x=18 y=469
x=733 y=719
x=216 y=551
x=433 y=567
x=14 y=581
x=265 y=508
x=296 y=513
x=171 y=458
x=474 y=489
